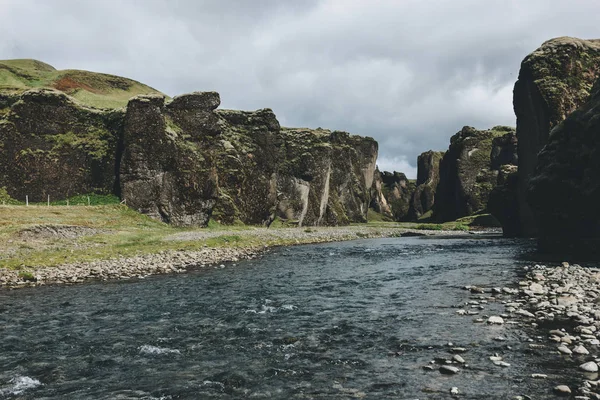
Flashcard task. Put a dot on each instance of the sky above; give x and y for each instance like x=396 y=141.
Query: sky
x=409 y=73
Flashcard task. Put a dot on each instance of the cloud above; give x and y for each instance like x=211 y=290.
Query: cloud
x=408 y=73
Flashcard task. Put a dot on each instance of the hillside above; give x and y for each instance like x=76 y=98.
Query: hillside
x=90 y=88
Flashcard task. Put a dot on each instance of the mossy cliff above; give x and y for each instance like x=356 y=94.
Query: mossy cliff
x=553 y=82
x=428 y=178
x=181 y=161
x=466 y=177
x=564 y=189
x=51 y=145
x=184 y=161
x=502 y=202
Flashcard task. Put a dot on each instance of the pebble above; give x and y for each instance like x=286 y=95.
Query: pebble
x=454 y=391
x=449 y=370
x=458 y=359
x=564 y=350
x=580 y=350
x=589 y=366
x=495 y=320
x=562 y=390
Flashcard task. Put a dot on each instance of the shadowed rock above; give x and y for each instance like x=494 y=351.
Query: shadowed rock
x=565 y=187
x=466 y=178
x=553 y=82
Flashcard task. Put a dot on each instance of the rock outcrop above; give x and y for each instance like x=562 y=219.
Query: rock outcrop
x=466 y=178
x=553 y=82
x=51 y=145
x=379 y=202
x=502 y=202
x=565 y=187
x=325 y=177
x=166 y=171
x=184 y=161
x=428 y=178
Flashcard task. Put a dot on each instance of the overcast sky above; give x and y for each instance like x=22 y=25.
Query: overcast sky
x=409 y=73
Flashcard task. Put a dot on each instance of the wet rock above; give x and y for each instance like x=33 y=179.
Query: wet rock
x=562 y=390
x=589 y=366
x=564 y=350
x=580 y=350
x=495 y=320
x=449 y=370
x=458 y=359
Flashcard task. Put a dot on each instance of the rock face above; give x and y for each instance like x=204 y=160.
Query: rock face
x=553 y=81
x=181 y=161
x=502 y=202
x=185 y=161
x=398 y=191
x=466 y=178
x=379 y=202
x=52 y=146
x=165 y=171
x=565 y=187
x=428 y=178
x=325 y=177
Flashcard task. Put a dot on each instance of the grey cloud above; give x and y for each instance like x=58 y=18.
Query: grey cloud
x=409 y=73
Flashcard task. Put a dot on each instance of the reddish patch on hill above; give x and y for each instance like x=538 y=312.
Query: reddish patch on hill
x=69 y=85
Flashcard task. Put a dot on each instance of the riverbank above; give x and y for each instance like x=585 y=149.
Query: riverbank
x=557 y=310
x=86 y=243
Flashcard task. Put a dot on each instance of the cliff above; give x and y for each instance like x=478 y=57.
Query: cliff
x=503 y=202
x=466 y=177
x=50 y=145
x=564 y=189
x=179 y=160
x=553 y=81
x=185 y=161
x=428 y=178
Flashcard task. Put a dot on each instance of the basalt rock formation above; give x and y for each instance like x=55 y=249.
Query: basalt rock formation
x=325 y=177
x=428 y=178
x=553 y=82
x=466 y=178
x=564 y=190
x=379 y=202
x=185 y=161
x=182 y=161
x=502 y=202
x=52 y=146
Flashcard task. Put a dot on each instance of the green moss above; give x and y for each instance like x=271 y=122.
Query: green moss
x=95 y=142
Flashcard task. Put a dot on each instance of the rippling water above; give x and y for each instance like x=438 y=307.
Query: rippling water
x=338 y=320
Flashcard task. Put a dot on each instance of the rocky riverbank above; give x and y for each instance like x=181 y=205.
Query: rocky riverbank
x=557 y=310
x=176 y=261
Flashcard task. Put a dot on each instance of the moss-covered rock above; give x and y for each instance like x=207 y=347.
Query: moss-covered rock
x=325 y=177
x=185 y=161
x=565 y=187
x=553 y=81
x=428 y=178
x=379 y=202
x=53 y=146
x=466 y=177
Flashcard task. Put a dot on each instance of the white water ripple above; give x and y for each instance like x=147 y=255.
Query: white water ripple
x=154 y=350
x=19 y=385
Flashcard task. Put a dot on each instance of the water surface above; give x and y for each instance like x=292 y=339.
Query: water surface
x=354 y=319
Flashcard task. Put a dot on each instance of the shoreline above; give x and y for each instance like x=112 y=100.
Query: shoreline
x=556 y=306
x=180 y=261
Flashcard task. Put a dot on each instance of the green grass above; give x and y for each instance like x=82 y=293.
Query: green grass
x=89 y=88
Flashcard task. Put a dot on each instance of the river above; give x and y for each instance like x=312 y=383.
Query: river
x=357 y=319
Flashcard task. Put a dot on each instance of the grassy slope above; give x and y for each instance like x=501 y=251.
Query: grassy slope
x=90 y=88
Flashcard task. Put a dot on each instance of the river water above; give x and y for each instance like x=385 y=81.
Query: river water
x=354 y=319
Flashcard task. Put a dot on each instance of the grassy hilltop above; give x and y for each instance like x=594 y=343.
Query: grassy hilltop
x=89 y=88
